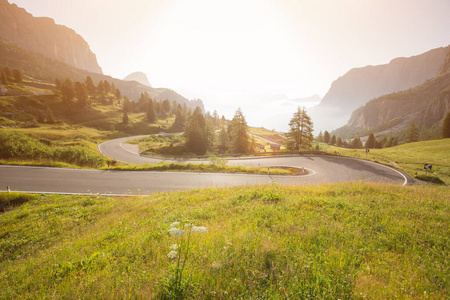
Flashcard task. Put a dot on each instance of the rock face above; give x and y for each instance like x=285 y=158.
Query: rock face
x=139 y=77
x=427 y=104
x=43 y=36
x=360 y=85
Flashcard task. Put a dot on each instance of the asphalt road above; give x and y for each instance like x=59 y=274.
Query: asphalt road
x=322 y=169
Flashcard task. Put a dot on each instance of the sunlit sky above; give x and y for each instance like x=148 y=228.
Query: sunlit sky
x=221 y=50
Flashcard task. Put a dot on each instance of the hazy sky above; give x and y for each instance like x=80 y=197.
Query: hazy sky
x=219 y=49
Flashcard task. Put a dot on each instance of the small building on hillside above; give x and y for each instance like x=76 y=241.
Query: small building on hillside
x=275 y=147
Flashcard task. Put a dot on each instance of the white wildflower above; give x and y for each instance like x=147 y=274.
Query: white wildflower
x=188 y=225
x=200 y=229
x=174 y=247
x=175 y=224
x=176 y=231
x=172 y=254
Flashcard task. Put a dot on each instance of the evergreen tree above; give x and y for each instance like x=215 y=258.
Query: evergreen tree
x=50 y=117
x=333 y=140
x=326 y=137
x=320 y=137
x=195 y=132
x=81 y=94
x=118 y=94
x=223 y=140
x=210 y=132
x=446 y=126
x=4 y=79
x=371 y=142
x=101 y=88
x=127 y=106
x=68 y=91
x=339 y=142
x=356 y=143
x=180 y=121
x=165 y=106
x=58 y=84
x=151 y=114
x=412 y=133
x=90 y=86
x=17 y=76
x=240 y=142
x=300 y=133
x=125 y=118
x=106 y=86
x=9 y=74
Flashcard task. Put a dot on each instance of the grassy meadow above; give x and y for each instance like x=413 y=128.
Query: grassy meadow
x=346 y=241
x=409 y=157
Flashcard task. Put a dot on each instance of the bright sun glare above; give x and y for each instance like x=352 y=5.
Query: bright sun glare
x=243 y=43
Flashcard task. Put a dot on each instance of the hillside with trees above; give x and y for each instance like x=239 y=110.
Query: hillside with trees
x=391 y=115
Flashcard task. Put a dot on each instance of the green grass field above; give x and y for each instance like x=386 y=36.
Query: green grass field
x=347 y=241
x=409 y=157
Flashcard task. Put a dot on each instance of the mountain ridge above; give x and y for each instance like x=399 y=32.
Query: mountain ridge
x=426 y=104
x=140 y=77
x=44 y=36
x=359 y=85
x=44 y=68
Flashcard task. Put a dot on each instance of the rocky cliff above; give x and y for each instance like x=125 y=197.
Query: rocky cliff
x=360 y=85
x=427 y=104
x=43 y=36
x=139 y=77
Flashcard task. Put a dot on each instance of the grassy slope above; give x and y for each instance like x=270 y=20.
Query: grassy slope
x=409 y=157
x=334 y=241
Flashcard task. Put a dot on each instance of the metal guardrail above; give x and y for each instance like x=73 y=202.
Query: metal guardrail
x=151 y=154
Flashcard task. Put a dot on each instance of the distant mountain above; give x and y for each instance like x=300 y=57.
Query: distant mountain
x=43 y=68
x=139 y=77
x=427 y=104
x=360 y=85
x=42 y=35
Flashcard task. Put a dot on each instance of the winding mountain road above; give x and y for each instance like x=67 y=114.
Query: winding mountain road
x=322 y=169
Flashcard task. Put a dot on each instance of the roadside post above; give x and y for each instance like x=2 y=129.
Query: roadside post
x=427 y=168
x=367 y=151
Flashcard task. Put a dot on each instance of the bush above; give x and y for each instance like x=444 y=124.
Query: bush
x=8 y=200
x=18 y=145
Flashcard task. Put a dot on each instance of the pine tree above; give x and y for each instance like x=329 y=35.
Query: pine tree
x=356 y=143
x=50 y=117
x=9 y=74
x=68 y=91
x=240 y=142
x=151 y=114
x=118 y=94
x=4 y=79
x=320 y=137
x=371 y=142
x=127 y=106
x=180 y=121
x=223 y=140
x=446 y=126
x=125 y=118
x=326 y=137
x=333 y=140
x=412 y=133
x=17 y=76
x=90 y=86
x=339 y=142
x=195 y=132
x=81 y=94
x=300 y=133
